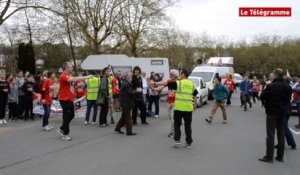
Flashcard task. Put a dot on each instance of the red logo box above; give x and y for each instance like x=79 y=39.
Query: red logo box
x=265 y=11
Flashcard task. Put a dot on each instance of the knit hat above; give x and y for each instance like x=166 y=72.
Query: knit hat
x=174 y=72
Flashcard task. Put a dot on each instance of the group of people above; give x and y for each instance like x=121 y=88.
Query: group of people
x=130 y=92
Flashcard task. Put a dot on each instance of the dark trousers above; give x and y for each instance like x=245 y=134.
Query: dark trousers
x=125 y=120
x=46 y=114
x=68 y=115
x=154 y=99
x=288 y=134
x=3 y=104
x=275 y=122
x=187 y=117
x=28 y=107
x=228 y=102
x=103 y=112
x=91 y=104
x=21 y=106
x=246 y=99
x=139 y=104
x=255 y=96
x=12 y=107
x=298 y=111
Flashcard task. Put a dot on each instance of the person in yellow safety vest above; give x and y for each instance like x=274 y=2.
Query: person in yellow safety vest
x=185 y=104
x=92 y=85
x=104 y=95
x=110 y=99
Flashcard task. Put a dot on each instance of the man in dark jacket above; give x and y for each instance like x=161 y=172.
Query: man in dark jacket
x=276 y=98
x=29 y=87
x=137 y=82
x=127 y=99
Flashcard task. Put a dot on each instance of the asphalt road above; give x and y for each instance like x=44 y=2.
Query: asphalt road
x=218 y=149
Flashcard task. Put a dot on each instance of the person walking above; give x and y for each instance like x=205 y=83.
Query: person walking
x=276 y=98
x=137 y=82
x=4 y=90
x=66 y=99
x=256 y=89
x=46 y=91
x=246 y=89
x=185 y=104
x=21 y=95
x=127 y=98
x=220 y=94
x=92 y=86
x=230 y=84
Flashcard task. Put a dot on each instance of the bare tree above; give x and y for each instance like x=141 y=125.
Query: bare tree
x=140 y=16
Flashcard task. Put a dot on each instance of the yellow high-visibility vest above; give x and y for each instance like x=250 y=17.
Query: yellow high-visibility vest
x=110 y=85
x=92 y=88
x=184 y=96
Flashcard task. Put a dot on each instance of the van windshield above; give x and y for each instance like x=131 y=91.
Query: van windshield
x=207 y=76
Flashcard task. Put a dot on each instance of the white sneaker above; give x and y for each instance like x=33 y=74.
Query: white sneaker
x=60 y=132
x=50 y=127
x=66 y=138
x=47 y=128
x=176 y=144
x=156 y=116
x=224 y=122
x=4 y=121
x=188 y=146
x=93 y=123
x=86 y=122
x=1 y=122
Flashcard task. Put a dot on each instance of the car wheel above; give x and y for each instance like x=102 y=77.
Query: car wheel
x=200 y=102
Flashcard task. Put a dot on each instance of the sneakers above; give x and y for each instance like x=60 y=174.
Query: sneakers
x=208 y=120
x=297 y=126
x=4 y=121
x=224 y=122
x=47 y=128
x=176 y=144
x=188 y=146
x=93 y=123
x=156 y=116
x=86 y=122
x=61 y=132
x=1 y=122
x=170 y=135
x=66 y=138
x=104 y=125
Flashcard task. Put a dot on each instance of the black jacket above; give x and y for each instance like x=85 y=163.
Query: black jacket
x=276 y=97
x=28 y=85
x=137 y=82
x=127 y=95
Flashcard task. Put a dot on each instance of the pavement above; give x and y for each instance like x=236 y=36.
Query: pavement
x=218 y=149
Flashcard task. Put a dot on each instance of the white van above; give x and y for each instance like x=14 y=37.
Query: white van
x=217 y=65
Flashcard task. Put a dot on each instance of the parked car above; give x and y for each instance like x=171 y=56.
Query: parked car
x=202 y=96
x=238 y=79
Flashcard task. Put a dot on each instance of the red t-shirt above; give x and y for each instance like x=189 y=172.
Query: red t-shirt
x=46 y=88
x=115 y=86
x=79 y=91
x=65 y=90
x=171 y=93
x=229 y=83
x=256 y=85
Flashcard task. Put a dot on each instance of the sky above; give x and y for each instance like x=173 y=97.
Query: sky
x=221 y=18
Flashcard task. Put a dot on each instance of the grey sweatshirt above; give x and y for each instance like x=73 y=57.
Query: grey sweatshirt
x=13 y=93
x=20 y=82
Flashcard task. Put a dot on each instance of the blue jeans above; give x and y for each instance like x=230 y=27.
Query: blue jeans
x=46 y=114
x=154 y=99
x=90 y=104
x=288 y=134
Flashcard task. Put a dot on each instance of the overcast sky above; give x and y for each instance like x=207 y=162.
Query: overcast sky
x=220 y=17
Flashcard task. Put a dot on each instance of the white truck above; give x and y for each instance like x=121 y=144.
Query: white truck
x=214 y=66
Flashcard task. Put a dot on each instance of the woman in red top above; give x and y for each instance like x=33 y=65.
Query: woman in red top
x=256 y=88
x=66 y=99
x=229 y=83
x=46 y=91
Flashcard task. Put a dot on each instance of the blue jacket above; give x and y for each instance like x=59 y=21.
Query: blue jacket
x=220 y=92
x=243 y=88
